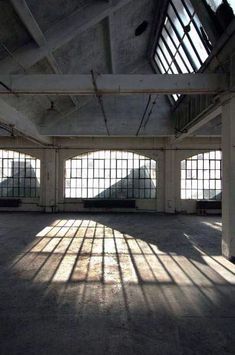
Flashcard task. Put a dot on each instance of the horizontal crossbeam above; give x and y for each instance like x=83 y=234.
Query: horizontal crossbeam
x=109 y=84
x=10 y=116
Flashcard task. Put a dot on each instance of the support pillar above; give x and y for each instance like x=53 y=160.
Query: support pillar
x=50 y=180
x=228 y=199
x=170 y=181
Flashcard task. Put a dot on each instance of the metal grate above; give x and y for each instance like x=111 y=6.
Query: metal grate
x=110 y=175
x=19 y=174
x=201 y=177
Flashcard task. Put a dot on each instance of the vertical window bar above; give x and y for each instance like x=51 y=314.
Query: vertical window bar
x=173 y=57
x=188 y=36
x=161 y=62
x=177 y=49
x=163 y=54
x=19 y=175
x=124 y=182
x=195 y=25
x=183 y=45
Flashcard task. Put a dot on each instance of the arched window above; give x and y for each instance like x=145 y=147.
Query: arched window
x=110 y=175
x=19 y=174
x=201 y=177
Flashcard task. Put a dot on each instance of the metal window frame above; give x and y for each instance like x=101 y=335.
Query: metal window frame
x=203 y=179
x=186 y=33
x=20 y=185
x=181 y=43
x=192 y=17
x=177 y=48
x=130 y=189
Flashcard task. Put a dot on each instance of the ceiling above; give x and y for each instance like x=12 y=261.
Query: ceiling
x=77 y=37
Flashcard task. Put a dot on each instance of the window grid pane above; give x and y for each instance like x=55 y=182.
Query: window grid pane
x=183 y=45
x=121 y=175
x=201 y=177
x=19 y=175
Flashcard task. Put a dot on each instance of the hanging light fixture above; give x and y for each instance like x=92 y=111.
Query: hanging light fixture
x=49 y=114
x=52 y=107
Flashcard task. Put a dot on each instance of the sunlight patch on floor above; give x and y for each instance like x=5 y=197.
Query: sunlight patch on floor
x=214 y=225
x=73 y=251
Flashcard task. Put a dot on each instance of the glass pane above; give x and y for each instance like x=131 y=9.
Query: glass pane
x=172 y=34
x=175 y=21
x=19 y=174
x=181 y=64
x=200 y=178
x=169 y=42
x=198 y=43
x=160 y=67
x=192 y=52
x=112 y=177
x=189 y=6
x=165 y=51
x=163 y=61
x=185 y=58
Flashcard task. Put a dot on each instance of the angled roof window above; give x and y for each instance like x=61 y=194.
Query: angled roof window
x=183 y=45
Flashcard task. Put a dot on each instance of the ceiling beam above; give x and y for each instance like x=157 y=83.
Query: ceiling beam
x=60 y=34
x=111 y=44
x=113 y=84
x=33 y=28
x=29 y=21
x=21 y=123
x=198 y=122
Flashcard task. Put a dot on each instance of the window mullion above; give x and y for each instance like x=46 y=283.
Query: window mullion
x=164 y=55
x=191 y=16
x=183 y=45
x=177 y=49
x=172 y=56
x=189 y=38
x=161 y=62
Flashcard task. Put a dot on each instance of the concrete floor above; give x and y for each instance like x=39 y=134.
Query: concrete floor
x=114 y=284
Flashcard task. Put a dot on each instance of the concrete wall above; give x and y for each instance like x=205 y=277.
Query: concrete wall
x=53 y=160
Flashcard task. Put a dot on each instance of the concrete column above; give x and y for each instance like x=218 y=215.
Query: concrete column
x=228 y=200
x=170 y=181
x=50 y=180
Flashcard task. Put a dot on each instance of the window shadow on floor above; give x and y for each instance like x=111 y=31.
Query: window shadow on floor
x=122 y=282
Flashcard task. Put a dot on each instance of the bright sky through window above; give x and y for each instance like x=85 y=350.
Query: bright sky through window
x=201 y=176
x=19 y=174
x=183 y=45
x=110 y=174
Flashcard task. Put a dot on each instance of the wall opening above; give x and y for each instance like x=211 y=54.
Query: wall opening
x=110 y=174
x=19 y=174
x=201 y=176
x=183 y=45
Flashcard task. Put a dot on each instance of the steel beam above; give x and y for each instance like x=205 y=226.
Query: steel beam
x=110 y=84
x=21 y=123
x=60 y=34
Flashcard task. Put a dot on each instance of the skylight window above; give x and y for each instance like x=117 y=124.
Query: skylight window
x=183 y=45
